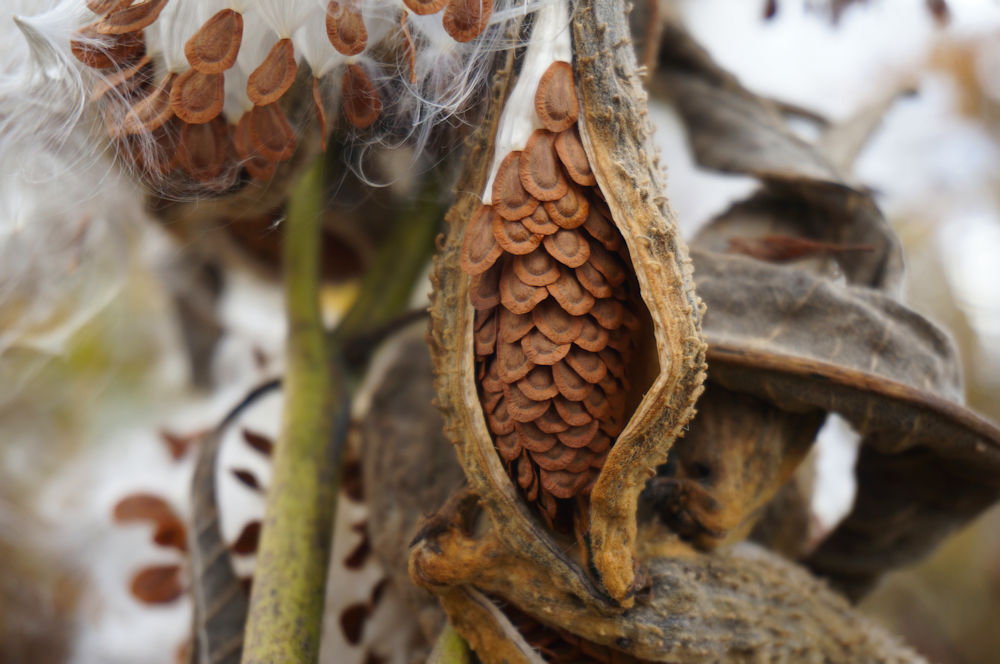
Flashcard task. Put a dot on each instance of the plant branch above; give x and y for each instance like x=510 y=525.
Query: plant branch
x=286 y=604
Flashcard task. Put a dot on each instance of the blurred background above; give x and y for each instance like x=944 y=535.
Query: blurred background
x=97 y=387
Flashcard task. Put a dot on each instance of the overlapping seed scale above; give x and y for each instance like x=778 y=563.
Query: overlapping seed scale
x=548 y=281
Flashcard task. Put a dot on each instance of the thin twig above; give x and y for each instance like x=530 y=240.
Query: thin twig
x=286 y=604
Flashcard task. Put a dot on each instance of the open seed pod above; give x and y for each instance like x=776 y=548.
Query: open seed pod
x=742 y=604
x=738 y=604
x=565 y=330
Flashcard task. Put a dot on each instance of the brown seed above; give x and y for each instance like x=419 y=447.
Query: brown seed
x=214 y=47
x=610 y=385
x=171 y=533
x=514 y=326
x=600 y=444
x=260 y=167
x=570 y=294
x=555 y=323
x=159 y=584
x=246 y=541
x=589 y=366
x=272 y=78
x=345 y=28
x=593 y=281
x=536 y=268
x=518 y=296
x=491 y=379
x=522 y=408
x=580 y=462
x=608 y=313
x=142 y=507
x=131 y=18
x=571 y=153
x=525 y=474
x=538 y=169
x=562 y=484
x=551 y=423
x=609 y=264
x=112 y=51
x=320 y=109
x=202 y=149
x=484 y=288
x=556 y=458
x=602 y=229
x=150 y=112
x=571 y=210
x=540 y=350
x=105 y=6
x=124 y=81
x=612 y=359
x=568 y=247
x=424 y=7
x=572 y=412
x=464 y=20
x=598 y=405
x=510 y=199
x=155 y=154
x=538 y=384
x=197 y=98
x=479 y=248
x=592 y=337
x=580 y=436
x=569 y=383
x=499 y=419
x=269 y=133
x=491 y=399
x=485 y=339
x=513 y=237
x=512 y=362
x=508 y=446
x=555 y=98
x=533 y=439
x=362 y=105
x=619 y=340
x=539 y=222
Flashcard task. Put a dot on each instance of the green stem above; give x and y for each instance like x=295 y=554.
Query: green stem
x=286 y=604
x=450 y=648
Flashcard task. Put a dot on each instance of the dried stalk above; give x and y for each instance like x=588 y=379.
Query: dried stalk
x=287 y=601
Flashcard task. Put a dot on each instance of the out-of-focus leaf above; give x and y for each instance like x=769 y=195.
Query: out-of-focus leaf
x=733 y=130
x=803 y=340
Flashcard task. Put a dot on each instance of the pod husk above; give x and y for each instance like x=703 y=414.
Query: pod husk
x=615 y=135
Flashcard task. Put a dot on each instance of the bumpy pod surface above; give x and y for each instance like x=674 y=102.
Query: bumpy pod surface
x=565 y=330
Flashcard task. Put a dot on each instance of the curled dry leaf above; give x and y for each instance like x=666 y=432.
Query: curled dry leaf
x=809 y=344
x=562 y=456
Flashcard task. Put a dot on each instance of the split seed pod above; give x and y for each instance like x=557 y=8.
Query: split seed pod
x=563 y=297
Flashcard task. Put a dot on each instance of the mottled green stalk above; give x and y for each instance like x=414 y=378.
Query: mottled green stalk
x=450 y=648
x=286 y=605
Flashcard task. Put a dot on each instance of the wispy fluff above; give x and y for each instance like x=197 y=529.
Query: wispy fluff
x=63 y=210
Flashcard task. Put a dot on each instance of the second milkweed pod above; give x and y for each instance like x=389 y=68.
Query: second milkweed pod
x=616 y=258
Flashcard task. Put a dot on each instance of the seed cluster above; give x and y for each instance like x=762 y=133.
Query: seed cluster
x=175 y=119
x=553 y=323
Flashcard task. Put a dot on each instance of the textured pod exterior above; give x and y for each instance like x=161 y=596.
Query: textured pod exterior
x=665 y=313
